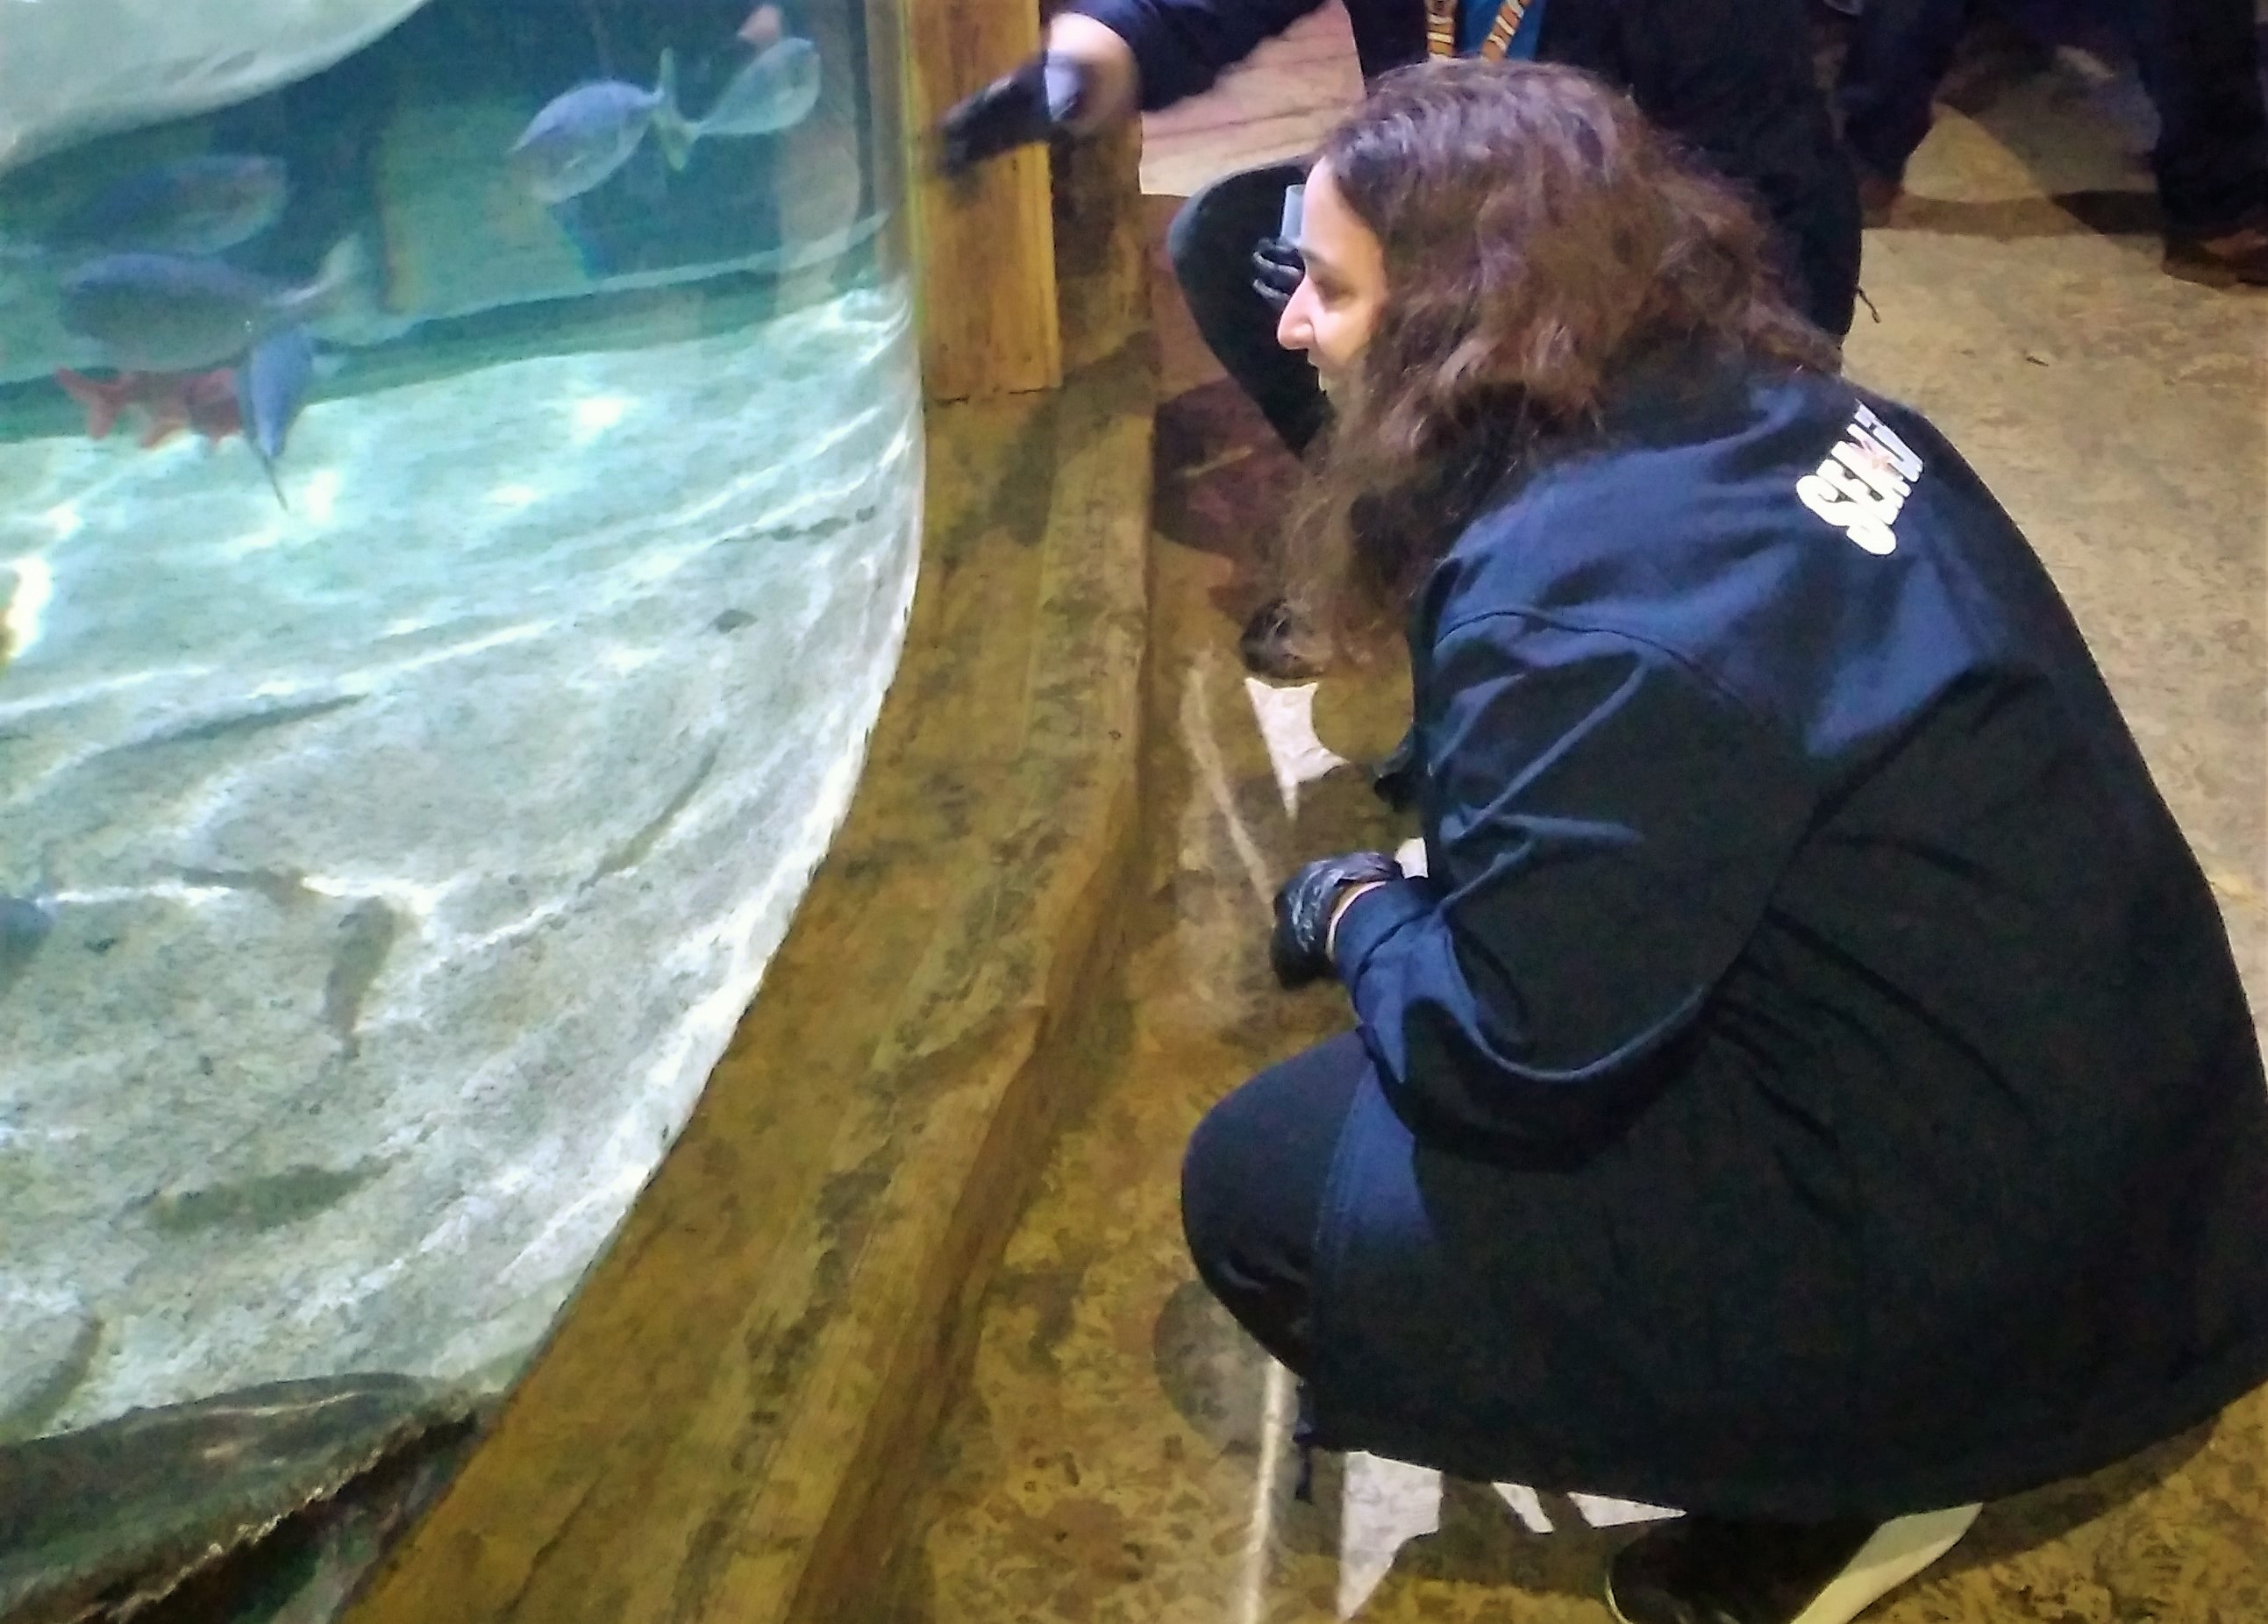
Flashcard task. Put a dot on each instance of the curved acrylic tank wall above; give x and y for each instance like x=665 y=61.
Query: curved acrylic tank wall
x=458 y=512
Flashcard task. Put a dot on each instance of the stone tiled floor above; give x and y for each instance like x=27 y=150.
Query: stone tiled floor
x=1120 y=1452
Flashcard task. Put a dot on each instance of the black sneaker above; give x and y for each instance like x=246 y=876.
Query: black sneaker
x=2234 y=259
x=1707 y=1570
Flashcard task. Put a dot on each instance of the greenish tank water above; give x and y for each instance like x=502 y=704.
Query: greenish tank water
x=459 y=485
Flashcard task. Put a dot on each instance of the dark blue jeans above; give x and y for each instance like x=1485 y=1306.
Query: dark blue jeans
x=1252 y=1192
x=2199 y=60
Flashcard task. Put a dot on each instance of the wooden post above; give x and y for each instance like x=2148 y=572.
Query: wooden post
x=983 y=246
x=1102 y=253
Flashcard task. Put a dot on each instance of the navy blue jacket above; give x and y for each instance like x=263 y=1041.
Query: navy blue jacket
x=1813 y=1077
x=1732 y=79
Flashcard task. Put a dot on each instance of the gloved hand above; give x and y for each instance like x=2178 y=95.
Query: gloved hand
x=1017 y=109
x=1276 y=271
x=1395 y=780
x=1297 y=950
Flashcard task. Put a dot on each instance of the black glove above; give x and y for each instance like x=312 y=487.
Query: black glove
x=1276 y=270
x=1303 y=912
x=1015 y=110
x=1395 y=780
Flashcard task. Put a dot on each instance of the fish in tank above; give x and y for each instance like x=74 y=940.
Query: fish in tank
x=461 y=504
x=197 y=206
x=583 y=136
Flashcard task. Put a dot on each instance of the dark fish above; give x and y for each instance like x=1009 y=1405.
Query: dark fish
x=29 y=1399
x=775 y=92
x=284 y=887
x=582 y=137
x=271 y=386
x=192 y=206
x=267 y=1202
x=640 y=845
x=159 y=313
x=256 y=718
x=366 y=936
x=25 y=924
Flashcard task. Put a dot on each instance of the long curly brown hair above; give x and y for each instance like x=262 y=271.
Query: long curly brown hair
x=1540 y=239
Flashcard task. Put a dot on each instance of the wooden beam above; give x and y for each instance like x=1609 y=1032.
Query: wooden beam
x=985 y=245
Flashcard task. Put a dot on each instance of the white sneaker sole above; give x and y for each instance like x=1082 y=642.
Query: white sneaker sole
x=1895 y=1553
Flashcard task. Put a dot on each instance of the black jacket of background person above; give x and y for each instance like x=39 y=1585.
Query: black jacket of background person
x=1732 y=79
x=1814 y=1078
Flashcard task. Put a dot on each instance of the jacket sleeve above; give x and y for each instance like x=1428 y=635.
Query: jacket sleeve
x=1609 y=826
x=1182 y=46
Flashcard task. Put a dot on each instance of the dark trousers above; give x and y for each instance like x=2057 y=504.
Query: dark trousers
x=1901 y=51
x=1252 y=1192
x=2199 y=60
x=1211 y=243
x=1252 y=1184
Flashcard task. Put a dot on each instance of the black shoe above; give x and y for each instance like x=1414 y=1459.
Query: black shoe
x=2234 y=259
x=1395 y=780
x=1879 y=197
x=1276 y=643
x=1708 y=1571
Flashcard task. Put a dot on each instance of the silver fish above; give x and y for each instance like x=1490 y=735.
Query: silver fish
x=582 y=137
x=193 y=205
x=271 y=386
x=775 y=92
x=157 y=312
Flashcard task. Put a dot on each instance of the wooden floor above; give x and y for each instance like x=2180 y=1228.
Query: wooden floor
x=1276 y=104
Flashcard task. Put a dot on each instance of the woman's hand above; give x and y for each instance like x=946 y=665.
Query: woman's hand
x=1307 y=911
x=1277 y=272
x=1084 y=80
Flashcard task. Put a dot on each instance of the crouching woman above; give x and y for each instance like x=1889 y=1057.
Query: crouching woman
x=1810 y=1086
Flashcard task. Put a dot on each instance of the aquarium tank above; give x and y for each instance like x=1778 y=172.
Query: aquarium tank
x=459 y=491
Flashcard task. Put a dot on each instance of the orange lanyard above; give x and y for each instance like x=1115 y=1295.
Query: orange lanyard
x=1441 y=28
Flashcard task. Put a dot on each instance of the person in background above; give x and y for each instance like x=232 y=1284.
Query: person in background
x=2199 y=62
x=1809 y=1084
x=1732 y=79
x=1899 y=53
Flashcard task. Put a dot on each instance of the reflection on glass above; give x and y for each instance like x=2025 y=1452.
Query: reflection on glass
x=459 y=486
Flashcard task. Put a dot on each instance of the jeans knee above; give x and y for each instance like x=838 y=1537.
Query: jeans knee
x=1188 y=247
x=1204 y=1220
